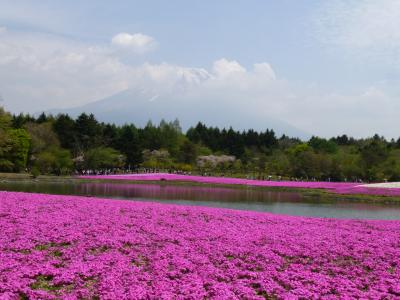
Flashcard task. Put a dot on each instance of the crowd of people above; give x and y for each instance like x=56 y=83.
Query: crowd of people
x=253 y=176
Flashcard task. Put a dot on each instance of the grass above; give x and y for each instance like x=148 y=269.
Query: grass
x=27 y=176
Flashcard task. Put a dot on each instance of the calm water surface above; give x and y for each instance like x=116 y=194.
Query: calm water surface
x=289 y=203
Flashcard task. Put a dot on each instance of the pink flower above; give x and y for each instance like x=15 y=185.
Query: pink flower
x=67 y=247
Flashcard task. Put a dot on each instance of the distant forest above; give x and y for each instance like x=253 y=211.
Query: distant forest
x=63 y=145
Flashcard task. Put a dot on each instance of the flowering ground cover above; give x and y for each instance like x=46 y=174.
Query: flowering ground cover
x=67 y=247
x=337 y=187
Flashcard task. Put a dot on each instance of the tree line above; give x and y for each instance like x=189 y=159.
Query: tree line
x=61 y=144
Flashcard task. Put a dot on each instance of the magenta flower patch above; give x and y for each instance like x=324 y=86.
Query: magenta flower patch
x=55 y=247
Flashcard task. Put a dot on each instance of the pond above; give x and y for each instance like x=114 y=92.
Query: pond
x=279 y=202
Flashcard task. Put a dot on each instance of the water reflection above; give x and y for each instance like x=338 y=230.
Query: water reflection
x=289 y=203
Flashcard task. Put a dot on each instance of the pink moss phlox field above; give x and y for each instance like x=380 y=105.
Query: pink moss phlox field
x=67 y=247
x=337 y=187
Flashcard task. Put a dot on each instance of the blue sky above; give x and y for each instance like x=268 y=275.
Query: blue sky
x=195 y=33
x=338 y=59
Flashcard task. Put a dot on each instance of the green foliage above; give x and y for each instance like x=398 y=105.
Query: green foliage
x=5 y=119
x=64 y=127
x=20 y=143
x=20 y=120
x=46 y=154
x=42 y=137
x=322 y=145
x=54 y=160
x=391 y=166
x=35 y=172
x=202 y=150
x=349 y=162
x=374 y=152
x=6 y=165
x=87 y=132
x=188 y=152
x=48 y=143
x=303 y=161
x=128 y=142
x=14 y=147
x=63 y=164
x=103 y=158
x=230 y=141
x=278 y=164
x=157 y=159
x=166 y=136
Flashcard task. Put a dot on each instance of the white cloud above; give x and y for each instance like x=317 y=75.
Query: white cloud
x=368 y=29
x=40 y=71
x=265 y=70
x=138 y=42
x=362 y=113
x=224 y=67
x=3 y=29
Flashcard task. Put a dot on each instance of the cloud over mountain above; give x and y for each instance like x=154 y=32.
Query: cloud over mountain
x=43 y=71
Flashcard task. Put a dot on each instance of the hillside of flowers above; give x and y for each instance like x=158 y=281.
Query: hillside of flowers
x=54 y=247
x=336 y=187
